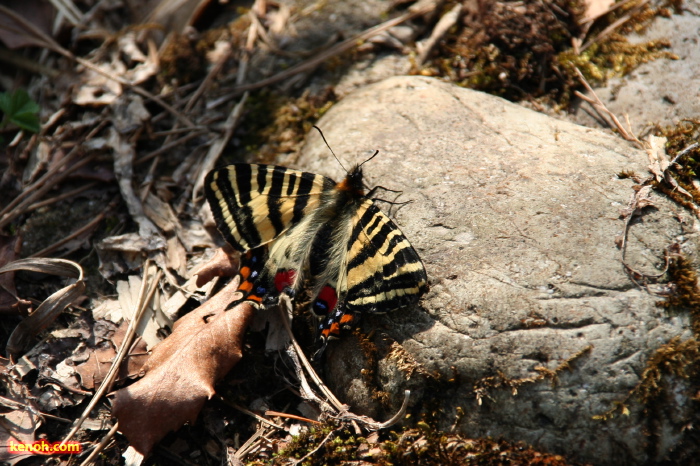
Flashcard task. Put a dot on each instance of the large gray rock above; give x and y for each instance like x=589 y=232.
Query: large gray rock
x=515 y=215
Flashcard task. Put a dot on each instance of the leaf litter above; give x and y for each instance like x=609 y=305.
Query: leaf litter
x=134 y=116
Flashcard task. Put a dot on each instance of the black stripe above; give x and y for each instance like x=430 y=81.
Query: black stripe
x=375 y=221
x=383 y=306
x=302 y=196
x=243 y=174
x=242 y=214
x=366 y=218
x=318 y=258
x=274 y=194
x=223 y=186
x=376 y=284
x=262 y=178
x=291 y=181
x=373 y=242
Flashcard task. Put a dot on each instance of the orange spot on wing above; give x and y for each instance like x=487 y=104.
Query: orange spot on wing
x=246 y=286
x=244 y=272
x=346 y=319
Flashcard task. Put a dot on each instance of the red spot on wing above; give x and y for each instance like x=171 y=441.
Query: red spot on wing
x=329 y=296
x=284 y=279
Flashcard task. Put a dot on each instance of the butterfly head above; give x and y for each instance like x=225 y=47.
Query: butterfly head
x=353 y=182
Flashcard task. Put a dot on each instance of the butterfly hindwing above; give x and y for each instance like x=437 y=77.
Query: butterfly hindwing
x=384 y=271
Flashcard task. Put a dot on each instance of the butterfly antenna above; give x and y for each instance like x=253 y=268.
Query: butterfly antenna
x=373 y=156
x=329 y=147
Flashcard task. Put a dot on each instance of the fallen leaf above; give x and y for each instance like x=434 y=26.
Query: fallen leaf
x=181 y=373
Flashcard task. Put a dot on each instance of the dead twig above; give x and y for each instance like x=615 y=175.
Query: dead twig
x=101 y=446
x=89 y=226
x=608 y=30
x=344 y=413
x=284 y=308
x=253 y=414
x=313 y=452
x=599 y=106
x=52 y=178
x=172 y=144
x=62 y=197
x=217 y=147
x=448 y=20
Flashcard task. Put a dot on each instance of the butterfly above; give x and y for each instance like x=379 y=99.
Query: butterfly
x=299 y=229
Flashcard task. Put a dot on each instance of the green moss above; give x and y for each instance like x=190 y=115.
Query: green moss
x=276 y=125
x=524 y=51
x=421 y=445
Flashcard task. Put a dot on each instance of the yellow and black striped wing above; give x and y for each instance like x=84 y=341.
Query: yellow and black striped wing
x=384 y=272
x=254 y=204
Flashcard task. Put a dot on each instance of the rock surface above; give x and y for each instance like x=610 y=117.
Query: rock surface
x=515 y=215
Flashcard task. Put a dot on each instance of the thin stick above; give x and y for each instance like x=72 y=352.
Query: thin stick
x=170 y=145
x=251 y=413
x=608 y=30
x=18 y=208
x=312 y=452
x=285 y=305
x=101 y=446
x=56 y=47
x=623 y=132
x=63 y=196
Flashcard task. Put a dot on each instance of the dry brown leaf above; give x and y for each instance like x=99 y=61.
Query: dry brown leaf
x=222 y=264
x=52 y=306
x=93 y=371
x=153 y=320
x=181 y=373
x=163 y=216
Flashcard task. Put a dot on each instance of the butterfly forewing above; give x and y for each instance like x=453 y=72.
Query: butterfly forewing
x=255 y=204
